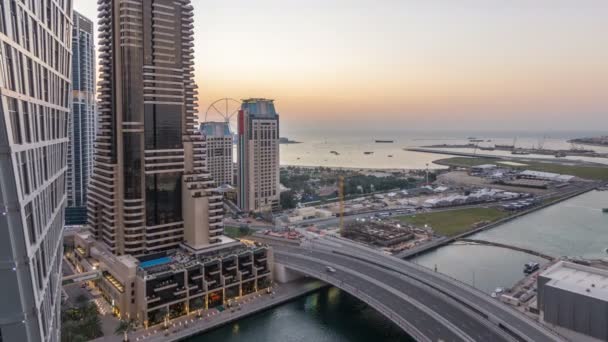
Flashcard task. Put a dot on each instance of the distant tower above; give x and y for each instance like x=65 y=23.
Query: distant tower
x=219 y=151
x=82 y=119
x=35 y=68
x=150 y=190
x=258 y=154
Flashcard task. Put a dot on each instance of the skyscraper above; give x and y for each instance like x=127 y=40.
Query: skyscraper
x=258 y=151
x=82 y=120
x=35 y=67
x=219 y=151
x=150 y=190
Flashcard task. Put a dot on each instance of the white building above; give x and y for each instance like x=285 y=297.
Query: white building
x=35 y=55
x=258 y=155
x=219 y=151
x=575 y=297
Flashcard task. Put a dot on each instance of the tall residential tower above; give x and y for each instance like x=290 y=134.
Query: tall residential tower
x=82 y=120
x=35 y=68
x=150 y=190
x=258 y=151
x=219 y=151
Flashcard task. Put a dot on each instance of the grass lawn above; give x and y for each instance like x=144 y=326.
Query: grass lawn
x=235 y=232
x=454 y=222
x=586 y=172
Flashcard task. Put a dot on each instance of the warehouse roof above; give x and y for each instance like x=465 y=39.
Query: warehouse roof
x=584 y=280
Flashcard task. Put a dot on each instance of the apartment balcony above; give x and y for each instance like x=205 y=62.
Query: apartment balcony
x=162 y=287
x=152 y=300
x=181 y=291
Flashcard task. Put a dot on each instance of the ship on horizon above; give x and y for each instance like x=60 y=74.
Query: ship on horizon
x=380 y=141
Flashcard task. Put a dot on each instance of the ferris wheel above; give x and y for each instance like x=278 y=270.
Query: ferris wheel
x=224 y=110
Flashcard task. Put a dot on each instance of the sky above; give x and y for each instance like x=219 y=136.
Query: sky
x=415 y=64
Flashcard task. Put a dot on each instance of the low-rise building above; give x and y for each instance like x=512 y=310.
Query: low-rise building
x=173 y=283
x=575 y=297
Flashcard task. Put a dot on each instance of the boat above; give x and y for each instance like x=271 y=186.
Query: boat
x=520 y=152
x=531 y=267
x=476 y=140
x=366 y=153
x=384 y=141
x=605 y=210
x=334 y=152
x=486 y=148
x=390 y=156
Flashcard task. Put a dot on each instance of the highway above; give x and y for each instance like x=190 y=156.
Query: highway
x=421 y=324
x=451 y=313
x=477 y=301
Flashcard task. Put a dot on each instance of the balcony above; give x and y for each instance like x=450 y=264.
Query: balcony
x=165 y=286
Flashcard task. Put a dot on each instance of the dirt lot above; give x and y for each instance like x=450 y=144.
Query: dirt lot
x=462 y=178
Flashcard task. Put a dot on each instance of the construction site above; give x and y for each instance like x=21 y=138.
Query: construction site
x=381 y=234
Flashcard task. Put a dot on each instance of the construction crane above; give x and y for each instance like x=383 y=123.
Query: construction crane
x=341 y=197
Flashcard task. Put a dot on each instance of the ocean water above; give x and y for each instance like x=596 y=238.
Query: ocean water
x=316 y=146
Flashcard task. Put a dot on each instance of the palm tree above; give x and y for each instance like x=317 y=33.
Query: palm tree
x=125 y=327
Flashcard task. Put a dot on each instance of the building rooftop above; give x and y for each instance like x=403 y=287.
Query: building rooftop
x=583 y=280
x=259 y=107
x=215 y=129
x=547 y=175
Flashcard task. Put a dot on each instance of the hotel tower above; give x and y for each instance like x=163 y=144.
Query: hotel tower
x=150 y=190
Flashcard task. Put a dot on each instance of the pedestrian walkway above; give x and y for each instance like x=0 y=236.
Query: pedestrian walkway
x=203 y=320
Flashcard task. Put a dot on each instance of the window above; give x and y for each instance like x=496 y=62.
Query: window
x=15 y=120
x=29 y=221
x=27 y=122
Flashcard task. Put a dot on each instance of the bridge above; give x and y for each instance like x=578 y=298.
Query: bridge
x=427 y=305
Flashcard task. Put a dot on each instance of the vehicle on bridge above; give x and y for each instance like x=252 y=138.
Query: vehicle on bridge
x=330 y=269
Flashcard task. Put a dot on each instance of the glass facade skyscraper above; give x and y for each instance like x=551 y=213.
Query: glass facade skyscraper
x=82 y=120
x=35 y=70
x=150 y=190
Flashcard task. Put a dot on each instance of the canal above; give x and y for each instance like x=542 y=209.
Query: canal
x=329 y=315
x=576 y=227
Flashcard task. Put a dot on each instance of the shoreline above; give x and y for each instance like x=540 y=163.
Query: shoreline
x=415 y=252
x=363 y=169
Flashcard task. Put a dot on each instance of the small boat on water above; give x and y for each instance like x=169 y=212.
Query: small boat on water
x=531 y=267
x=390 y=156
x=520 y=152
x=605 y=210
x=384 y=141
x=368 y=153
x=334 y=153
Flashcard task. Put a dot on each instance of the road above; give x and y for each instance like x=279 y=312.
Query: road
x=467 y=296
x=410 y=299
x=395 y=303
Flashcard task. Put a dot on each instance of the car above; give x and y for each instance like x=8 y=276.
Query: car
x=330 y=269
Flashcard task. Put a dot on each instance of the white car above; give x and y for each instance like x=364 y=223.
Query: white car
x=330 y=269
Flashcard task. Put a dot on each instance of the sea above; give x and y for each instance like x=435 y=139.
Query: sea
x=315 y=147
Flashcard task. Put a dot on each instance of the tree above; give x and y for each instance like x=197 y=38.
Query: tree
x=125 y=327
x=288 y=200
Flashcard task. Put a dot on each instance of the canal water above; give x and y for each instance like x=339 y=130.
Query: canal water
x=329 y=315
x=576 y=227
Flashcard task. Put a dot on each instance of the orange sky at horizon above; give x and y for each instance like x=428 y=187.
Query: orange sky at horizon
x=475 y=62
